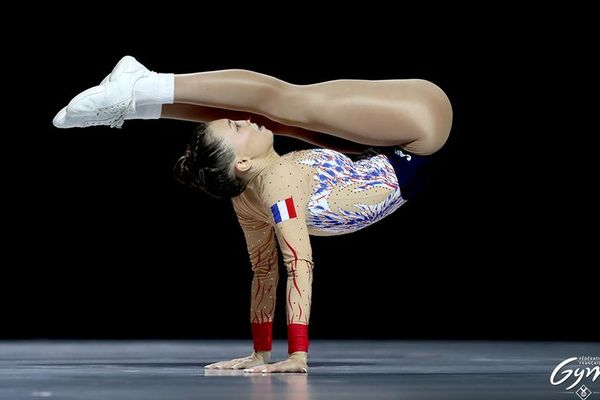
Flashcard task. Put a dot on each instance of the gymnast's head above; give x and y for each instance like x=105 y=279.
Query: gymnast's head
x=221 y=156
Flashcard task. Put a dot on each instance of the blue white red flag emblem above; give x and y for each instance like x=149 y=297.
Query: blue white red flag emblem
x=283 y=210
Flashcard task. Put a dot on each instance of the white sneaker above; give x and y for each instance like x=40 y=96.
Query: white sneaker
x=65 y=120
x=117 y=69
x=126 y=65
x=112 y=115
x=107 y=103
x=118 y=94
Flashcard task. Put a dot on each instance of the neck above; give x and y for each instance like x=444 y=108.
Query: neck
x=259 y=165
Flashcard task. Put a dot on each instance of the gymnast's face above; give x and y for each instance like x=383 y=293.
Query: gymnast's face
x=248 y=140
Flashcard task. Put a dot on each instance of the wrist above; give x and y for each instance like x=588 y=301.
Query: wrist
x=262 y=336
x=297 y=338
x=264 y=355
x=299 y=355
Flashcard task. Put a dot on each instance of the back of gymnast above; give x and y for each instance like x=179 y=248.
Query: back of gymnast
x=282 y=199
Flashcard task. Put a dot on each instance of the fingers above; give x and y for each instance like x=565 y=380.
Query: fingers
x=254 y=365
x=289 y=365
x=247 y=364
x=217 y=365
x=226 y=364
x=258 y=368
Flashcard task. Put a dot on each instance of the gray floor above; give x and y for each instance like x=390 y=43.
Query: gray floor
x=338 y=369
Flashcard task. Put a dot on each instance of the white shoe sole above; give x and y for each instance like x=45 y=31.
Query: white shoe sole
x=65 y=121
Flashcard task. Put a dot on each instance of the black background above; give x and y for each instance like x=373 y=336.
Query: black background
x=101 y=242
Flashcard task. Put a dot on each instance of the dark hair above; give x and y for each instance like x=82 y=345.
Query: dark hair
x=207 y=165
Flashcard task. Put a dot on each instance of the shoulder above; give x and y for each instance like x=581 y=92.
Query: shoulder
x=304 y=162
x=246 y=207
x=290 y=176
x=289 y=167
x=240 y=205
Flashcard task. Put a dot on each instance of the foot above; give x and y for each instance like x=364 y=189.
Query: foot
x=64 y=120
x=107 y=103
x=296 y=362
x=127 y=67
x=118 y=93
x=123 y=65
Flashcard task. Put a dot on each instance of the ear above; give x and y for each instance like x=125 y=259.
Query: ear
x=243 y=164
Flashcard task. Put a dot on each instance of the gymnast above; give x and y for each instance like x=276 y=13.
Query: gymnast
x=281 y=199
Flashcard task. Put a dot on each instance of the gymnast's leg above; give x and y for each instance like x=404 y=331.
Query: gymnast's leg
x=415 y=114
x=196 y=113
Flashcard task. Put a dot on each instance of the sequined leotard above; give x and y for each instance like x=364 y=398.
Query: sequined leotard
x=310 y=192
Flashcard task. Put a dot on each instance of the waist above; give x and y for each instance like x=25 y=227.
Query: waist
x=411 y=170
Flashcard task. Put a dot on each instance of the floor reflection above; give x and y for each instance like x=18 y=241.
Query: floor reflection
x=290 y=386
x=279 y=386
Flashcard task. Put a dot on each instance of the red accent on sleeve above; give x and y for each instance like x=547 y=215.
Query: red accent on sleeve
x=297 y=338
x=289 y=202
x=262 y=336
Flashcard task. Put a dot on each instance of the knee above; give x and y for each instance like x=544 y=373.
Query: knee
x=426 y=145
x=436 y=129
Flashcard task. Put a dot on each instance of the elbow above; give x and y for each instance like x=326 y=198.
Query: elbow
x=300 y=264
x=265 y=270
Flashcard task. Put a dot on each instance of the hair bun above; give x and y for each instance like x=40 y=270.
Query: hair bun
x=182 y=170
x=207 y=165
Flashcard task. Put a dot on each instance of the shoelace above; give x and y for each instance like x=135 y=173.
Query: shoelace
x=118 y=110
x=113 y=123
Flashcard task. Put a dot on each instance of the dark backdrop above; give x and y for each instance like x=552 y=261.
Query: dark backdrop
x=101 y=242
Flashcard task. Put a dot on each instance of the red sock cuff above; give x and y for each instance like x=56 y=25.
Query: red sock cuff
x=297 y=338
x=262 y=336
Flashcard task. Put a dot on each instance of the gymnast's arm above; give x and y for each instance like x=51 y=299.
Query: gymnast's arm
x=287 y=202
x=262 y=250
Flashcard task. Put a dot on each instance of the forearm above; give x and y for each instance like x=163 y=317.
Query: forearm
x=262 y=304
x=298 y=304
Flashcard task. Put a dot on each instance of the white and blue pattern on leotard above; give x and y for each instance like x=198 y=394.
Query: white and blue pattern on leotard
x=333 y=169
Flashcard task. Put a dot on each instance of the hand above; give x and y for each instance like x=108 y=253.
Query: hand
x=254 y=359
x=296 y=362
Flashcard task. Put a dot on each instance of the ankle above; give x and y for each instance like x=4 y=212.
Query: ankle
x=149 y=111
x=155 y=88
x=264 y=355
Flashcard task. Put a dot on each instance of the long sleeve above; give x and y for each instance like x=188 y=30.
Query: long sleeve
x=262 y=250
x=287 y=203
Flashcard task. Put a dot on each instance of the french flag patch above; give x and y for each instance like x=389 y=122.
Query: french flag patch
x=283 y=210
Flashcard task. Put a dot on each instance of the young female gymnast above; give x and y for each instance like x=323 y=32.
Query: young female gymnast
x=282 y=199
